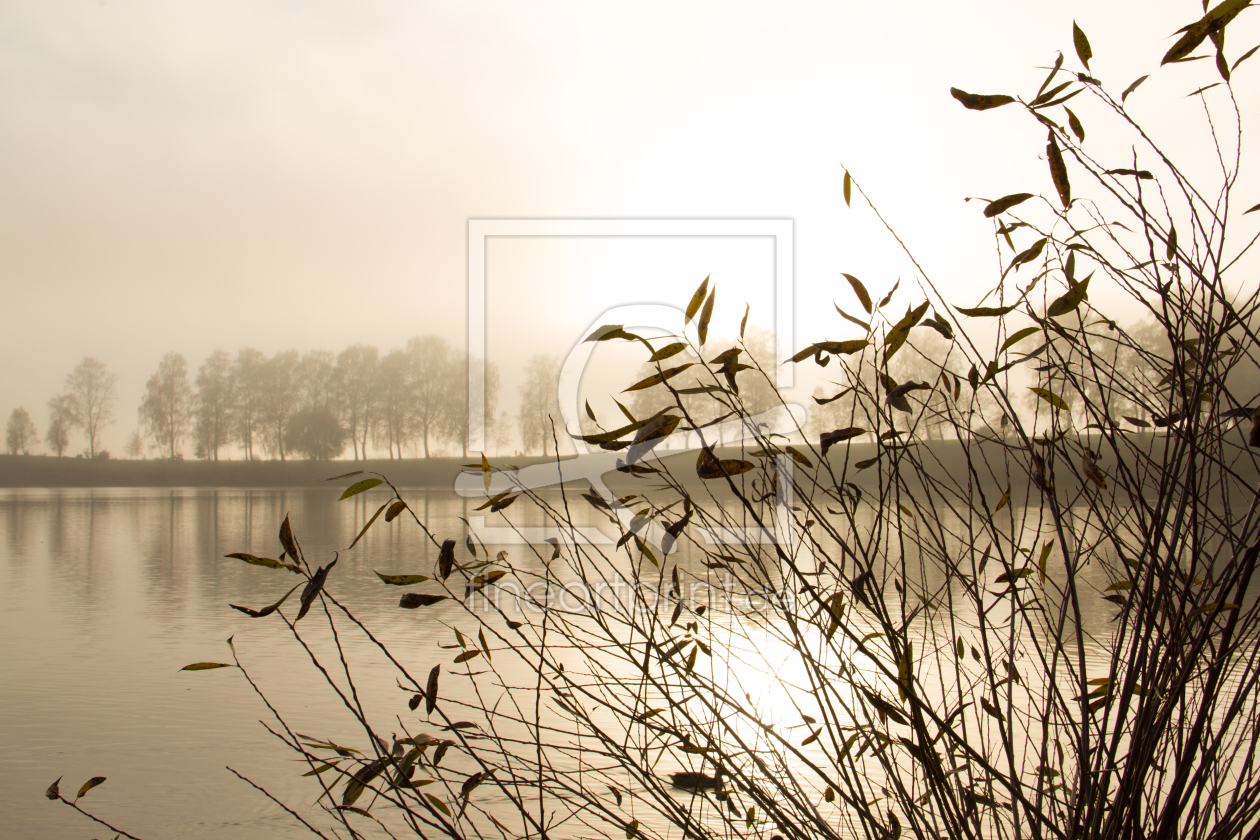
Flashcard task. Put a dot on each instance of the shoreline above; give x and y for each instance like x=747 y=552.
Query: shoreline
x=39 y=471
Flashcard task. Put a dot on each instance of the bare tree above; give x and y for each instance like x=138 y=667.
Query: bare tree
x=60 y=422
x=539 y=402
x=166 y=410
x=92 y=392
x=214 y=404
x=20 y=434
x=249 y=387
x=458 y=424
x=393 y=396
x=279 y=400
x=431 y=384
x=135 y=446
x=355 y=387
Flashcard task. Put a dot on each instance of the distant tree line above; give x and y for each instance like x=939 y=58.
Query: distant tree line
x=313 y=405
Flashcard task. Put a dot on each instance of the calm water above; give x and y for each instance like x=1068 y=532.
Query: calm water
x=106 y=594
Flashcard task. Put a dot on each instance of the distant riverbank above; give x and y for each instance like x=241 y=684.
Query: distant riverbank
x=945 y=460
x=40 y=471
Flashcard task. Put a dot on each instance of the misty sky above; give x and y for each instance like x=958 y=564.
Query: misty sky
x=194 y=175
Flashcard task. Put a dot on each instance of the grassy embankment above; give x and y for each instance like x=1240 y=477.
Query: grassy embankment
x=943 y=458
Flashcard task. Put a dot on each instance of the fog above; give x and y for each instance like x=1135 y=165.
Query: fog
x=203 y=175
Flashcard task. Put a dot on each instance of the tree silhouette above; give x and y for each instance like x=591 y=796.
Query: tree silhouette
x=214 y=404
x=167 y=408
x=91 y=392
x=20 y=434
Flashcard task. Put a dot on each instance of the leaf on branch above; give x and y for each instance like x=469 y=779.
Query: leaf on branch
x=1074 y=123
x=836 y=348
x=54 y=790
x=1200 y=90
x=313 y=588
x=863 y=296
x=446 y=559
x=265 y=611
x=901 y=330
x=709 y=467
x=206 y=666
x=980 y=102
x=402 y=580
x=848 y=194
x=1001 y=205
x=1052 y=398
x=266 y=562
x=1017 y=337
x=1070 y=300
x=1213 y=22
x=1083 y=52
x=845 y=315
x=1058 y=172
x=1006 y=497
x=88 y=785
x=658 y=378
x=702 y=327
x=431 y=690
x=609 y=332
x=396 y=508
x=830 y=439
x=1248 y=54
x=696 y=299
x=991 y=709
x=986 y=311
x=287 y=540
x=369 y=524
x=667 y=351
x=412 y=600
x=1132 y=87
x=360 y=487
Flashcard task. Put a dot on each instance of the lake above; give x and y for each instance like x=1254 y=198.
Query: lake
x=106 y=594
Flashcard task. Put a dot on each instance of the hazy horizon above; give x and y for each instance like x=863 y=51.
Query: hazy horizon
x=226 y=175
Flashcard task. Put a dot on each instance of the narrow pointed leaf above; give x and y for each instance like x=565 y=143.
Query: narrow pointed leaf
x=1071 y=300
x=1083 y=52
x=1132 y=87
x=848 y=191
x=1001 y=205
x=863 y=296
x=696 y=299
x=369 y=524
x=287 y=540
x=89 y=784
x=412 y=600
x=702 y=326
x=402 y=580
x=265 y=611
x=658 y=378
x=1058 y=171
x=1017 y=337
x=980 y=102
x=431 y=690
x=1075 y=124
x=1052 y=398
x=360 y=487
x=986 y=311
